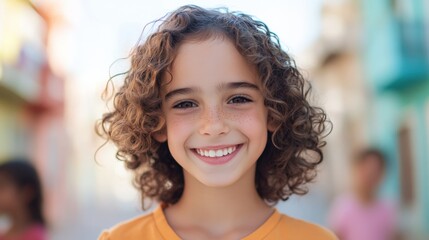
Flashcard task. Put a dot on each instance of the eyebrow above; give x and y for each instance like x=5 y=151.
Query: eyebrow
x=235 y=85
x=222 y=86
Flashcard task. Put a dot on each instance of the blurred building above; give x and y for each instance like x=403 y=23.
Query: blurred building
x=371 y=66
x=335 y=70
x=396 y=57
x=31 y=97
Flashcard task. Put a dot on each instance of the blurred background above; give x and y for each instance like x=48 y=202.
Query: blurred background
x=367 y=61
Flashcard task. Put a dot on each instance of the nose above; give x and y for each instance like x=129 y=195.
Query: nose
x=213 y=122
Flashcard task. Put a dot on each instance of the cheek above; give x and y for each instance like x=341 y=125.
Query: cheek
x=8 y=198
x=254 y=122
x=178 y=126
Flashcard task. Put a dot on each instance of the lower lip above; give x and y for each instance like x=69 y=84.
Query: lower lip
x=218 y=160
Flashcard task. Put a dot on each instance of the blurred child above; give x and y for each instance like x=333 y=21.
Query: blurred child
x=213 y=118
x=361 y=214
x=21 y=201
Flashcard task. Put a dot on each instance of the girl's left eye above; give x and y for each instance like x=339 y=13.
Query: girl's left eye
x=239 y=99
x=185 y=104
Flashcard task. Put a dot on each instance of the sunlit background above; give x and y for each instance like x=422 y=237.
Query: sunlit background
x=367 y=60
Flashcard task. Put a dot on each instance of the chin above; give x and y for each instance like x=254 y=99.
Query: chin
x=218 y=181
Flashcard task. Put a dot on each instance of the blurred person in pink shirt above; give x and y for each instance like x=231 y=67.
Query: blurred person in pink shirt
x=21 y=201
x=361 y=214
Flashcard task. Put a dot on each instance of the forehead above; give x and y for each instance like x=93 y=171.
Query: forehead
x=370 y=160
x=210 y=62
x=5 y=179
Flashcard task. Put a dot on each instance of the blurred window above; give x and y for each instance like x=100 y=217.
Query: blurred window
x=406 y=166
x=412 y=28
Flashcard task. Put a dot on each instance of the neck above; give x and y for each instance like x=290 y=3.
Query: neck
x=219 y=207
x=366 y=196
x=20 y=221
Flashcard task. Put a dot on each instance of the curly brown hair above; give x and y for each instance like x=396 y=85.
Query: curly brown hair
x=293 y=150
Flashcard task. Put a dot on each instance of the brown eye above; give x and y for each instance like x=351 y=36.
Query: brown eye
x=185 y=104
x=239 y=100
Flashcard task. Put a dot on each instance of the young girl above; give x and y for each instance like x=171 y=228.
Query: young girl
x=21 y=201
x=213 y=119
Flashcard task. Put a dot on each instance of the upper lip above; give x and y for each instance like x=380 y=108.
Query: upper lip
x=217 y=147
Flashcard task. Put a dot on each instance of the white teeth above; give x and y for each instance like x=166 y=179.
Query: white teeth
x=231 y=149
x=212 y=153
x=216 y=153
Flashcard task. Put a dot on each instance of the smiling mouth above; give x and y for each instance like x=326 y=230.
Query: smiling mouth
x=213 y=153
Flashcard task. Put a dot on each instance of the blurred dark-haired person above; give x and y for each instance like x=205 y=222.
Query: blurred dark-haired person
x=361 y=214
x=21 y=201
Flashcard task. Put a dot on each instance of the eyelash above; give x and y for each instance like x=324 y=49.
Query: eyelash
x=190 y=104
x=246 y=100
x=180 y=105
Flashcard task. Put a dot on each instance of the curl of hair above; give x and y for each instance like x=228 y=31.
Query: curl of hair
x=293 y=150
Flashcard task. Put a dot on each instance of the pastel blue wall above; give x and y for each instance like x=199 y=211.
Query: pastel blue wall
x=395 y=58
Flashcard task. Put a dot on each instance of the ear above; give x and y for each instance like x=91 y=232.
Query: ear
x=28 y=193
x=160 y=136
x=160 y=133
x=270 y=124
x=270 y=127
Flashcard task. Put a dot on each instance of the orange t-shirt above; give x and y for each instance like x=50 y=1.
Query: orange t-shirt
x=278 y=226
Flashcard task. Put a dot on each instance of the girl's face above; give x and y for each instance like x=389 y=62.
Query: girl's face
x=368 y=174
x=11 y=197
x=216 y=120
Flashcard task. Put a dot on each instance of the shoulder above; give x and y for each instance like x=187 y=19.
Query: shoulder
x=345 y=201
x=36 y=232
x=300 y=229
x=343 y=206
x=388 y=205
x=388 y=209
x=135 y=228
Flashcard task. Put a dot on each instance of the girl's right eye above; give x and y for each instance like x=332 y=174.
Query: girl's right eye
x=185 y=104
